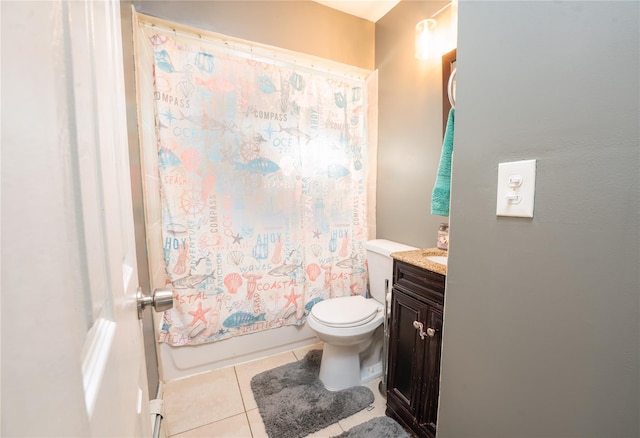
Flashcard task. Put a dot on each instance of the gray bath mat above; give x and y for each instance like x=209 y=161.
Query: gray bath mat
x=379 y=427
x=293 y=402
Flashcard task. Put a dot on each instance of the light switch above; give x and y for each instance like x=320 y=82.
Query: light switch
x=516 y=188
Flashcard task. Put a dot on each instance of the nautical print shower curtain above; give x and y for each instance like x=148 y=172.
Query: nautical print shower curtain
x=263 y=175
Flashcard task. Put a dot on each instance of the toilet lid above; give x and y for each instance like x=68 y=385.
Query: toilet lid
x=345 y=311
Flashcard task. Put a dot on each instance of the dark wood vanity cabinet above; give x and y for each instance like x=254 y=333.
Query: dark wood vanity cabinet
x=415 y=340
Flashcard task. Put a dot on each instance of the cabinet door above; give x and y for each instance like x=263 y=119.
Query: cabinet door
x=406 y=351
x=431 y=382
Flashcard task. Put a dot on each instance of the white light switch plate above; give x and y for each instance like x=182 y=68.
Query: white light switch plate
x=516 y=188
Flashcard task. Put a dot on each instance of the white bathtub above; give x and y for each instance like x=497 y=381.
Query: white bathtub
x=178 y=362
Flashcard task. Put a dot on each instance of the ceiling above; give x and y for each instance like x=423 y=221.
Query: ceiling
x=371 y=10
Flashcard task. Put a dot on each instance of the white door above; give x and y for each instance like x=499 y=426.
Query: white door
x=72 y=353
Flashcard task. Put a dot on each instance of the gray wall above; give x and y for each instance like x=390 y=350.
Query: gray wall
x=302 y=26
x=541 y=324
x=410 y=128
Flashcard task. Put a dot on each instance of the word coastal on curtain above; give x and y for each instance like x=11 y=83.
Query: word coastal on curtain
x=263 y=184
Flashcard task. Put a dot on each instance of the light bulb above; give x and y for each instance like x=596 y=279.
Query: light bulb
x=425 y=34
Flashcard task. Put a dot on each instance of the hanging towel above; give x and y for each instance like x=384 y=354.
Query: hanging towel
x=442 y=188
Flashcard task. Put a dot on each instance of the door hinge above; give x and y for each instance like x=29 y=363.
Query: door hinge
x=156 y=406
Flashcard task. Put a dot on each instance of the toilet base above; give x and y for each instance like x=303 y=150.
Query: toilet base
x=370 y=372
x=340 y=367
x=371 y=359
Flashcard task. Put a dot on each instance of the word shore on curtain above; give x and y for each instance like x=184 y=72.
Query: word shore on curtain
x=263 y=179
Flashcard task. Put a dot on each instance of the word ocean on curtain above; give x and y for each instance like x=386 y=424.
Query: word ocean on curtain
x=263 y=174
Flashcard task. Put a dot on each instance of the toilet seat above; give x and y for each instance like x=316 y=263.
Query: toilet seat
x=345 y=312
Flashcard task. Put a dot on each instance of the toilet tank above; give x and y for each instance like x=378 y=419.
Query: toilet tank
x=381 y=265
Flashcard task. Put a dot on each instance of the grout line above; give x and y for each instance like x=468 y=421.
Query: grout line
x=244 y=406
x=250 y=428
x=207 y=424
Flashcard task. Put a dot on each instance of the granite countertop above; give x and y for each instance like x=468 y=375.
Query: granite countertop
x=418 y=257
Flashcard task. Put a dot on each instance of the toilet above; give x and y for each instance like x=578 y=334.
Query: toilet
x=351 y=327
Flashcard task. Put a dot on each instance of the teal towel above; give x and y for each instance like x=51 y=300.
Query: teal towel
x=442 y=188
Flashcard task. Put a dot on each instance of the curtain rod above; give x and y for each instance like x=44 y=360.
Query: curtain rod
x=261 y=52
x=439 y=11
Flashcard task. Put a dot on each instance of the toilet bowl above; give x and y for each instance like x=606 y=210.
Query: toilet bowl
x=352 y=327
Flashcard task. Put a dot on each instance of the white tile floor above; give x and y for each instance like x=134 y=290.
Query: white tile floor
x=220 y=403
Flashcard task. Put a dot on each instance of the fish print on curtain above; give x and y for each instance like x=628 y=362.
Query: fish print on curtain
x=263 y=187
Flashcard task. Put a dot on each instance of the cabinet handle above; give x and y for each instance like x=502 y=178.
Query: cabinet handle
x=431 y=332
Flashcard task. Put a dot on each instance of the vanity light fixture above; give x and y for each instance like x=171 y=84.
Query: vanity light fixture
x=426 y=33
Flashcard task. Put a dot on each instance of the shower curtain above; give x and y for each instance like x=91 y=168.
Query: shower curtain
x=263 y=178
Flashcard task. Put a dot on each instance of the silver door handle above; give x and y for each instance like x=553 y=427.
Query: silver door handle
x=420 y=327
x=431 y=332
x=161 y=299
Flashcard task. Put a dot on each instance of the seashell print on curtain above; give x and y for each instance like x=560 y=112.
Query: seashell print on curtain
x=263 y=174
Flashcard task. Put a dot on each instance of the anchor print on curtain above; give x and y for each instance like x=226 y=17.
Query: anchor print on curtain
x=263 y=187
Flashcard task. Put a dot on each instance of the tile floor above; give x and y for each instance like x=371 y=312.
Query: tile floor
x=220 y=403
